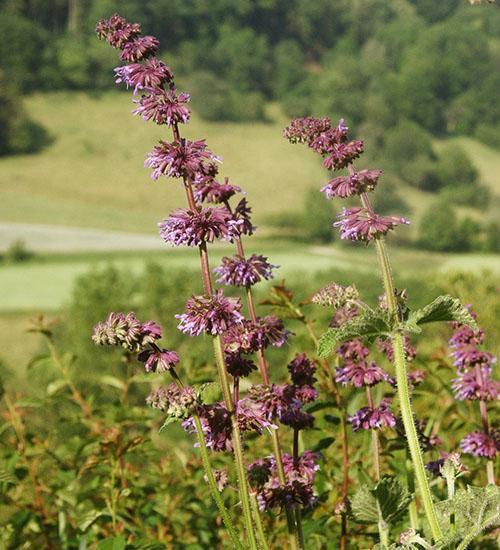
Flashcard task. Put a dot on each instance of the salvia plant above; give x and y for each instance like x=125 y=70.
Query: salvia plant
x=253 y=410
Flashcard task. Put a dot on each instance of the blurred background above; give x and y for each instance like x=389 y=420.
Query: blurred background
x=419 y=80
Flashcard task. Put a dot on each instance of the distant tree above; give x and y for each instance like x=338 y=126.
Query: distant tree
x=440 y=230
x=433 y=11
x=289 y=67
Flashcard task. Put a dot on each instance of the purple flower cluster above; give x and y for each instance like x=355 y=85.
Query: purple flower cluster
x=163 y=107
x=150 y=75
x=208 y=189
x=210 y=315
x=357 y=224
x=216 y=422
x=238 y=271
x=174 y=401
x=126 y=330
x=186 y=227
x=249 y=337
x=360 y=224
x=474 y=382
x=369 y=418
x=158 y=360
x=355 y=369
x=181 y=159
x=354 y=184
x=299 y=476
x=482 y=444
x=284 y=402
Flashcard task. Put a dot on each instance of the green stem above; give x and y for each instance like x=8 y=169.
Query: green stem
x=236 y=440
x=404 y=396
x=205 y=459
x=226 y=518
x=258 y=522
x=410 y=481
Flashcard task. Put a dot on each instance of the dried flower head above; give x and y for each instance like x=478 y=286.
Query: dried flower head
x=126 y=330
x=335 y=295
x=174 y=401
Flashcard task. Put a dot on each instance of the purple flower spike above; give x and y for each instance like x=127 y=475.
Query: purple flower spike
x=238 y=271
x=140 y=48
x=369 y=418
x=326 y=142
x=158 y=360
x=187 y=228
x=469 y=357
x=210 y=315
x=482 y=444
x=359 y=224
x=355 y=184
x=207 y=189
x=163 y=107
x=126 y=331
x=360 y=374
x=476 y=384
x=180 y=159
x=150 y=74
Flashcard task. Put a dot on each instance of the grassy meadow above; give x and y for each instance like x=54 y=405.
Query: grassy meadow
x=91 y=176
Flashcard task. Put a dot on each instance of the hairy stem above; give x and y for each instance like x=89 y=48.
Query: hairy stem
x=223 y=377
x=403 y=387
x=297 y=511
x=205 y=459
x=258 y=522
x=375 y=440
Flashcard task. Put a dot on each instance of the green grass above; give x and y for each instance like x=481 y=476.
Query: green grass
x=45 y=284
x=92 y=175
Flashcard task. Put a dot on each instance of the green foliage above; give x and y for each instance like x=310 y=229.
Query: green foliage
x=387 y=501
x=439 y=229
x=18 y=133
x=368 y=325
x=443 y=308
x=476 y=509
x=17 y=252
x=318 y=216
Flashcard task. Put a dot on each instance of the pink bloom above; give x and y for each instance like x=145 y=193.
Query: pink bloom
x=238 y=271
x=355 y=184
x=163 y=107
x=139 y=48
x=359 y=224
x=158 y=360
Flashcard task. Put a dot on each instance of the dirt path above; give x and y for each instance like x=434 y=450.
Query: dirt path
x=53 y=238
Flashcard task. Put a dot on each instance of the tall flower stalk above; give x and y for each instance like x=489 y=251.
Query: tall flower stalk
x=363 y=224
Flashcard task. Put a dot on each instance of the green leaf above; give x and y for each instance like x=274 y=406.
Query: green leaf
x=169 y=420
x=476 y=509
x=443 y=308
x=7 y=477
x=112 y=543
x=323 y=444
x=368 y=325
x=55 y=386
x=387 y=501
x=87 y=519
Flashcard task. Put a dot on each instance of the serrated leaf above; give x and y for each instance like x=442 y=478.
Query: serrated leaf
x=387 y=501
x=169 y=420
x=443 y=308
x=323 y=444
x=368 y=325
x=476 y=509
x=7 y=477
x=87 y=519
x=55 y=386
